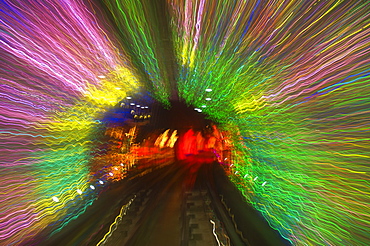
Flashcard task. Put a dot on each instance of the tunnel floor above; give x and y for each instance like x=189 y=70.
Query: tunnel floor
x=184 y=203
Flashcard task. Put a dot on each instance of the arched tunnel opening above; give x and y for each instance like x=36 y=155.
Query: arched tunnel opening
x=184 y=122
x=163 y=174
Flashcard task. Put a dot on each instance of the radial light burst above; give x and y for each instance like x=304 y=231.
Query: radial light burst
x=292 y=79
x=289 y=79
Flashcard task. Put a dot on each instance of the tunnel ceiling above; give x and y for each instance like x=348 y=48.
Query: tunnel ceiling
x=288 y=80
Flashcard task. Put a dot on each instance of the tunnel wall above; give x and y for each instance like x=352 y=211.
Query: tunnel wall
x=60 y=73
x=290 y=80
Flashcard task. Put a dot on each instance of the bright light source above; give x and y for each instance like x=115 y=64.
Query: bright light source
x=142 y=107
x=111 y=174
x=79 y=191
x=245 y=175
x=121 y=164
x=101 y=76
x=92 y=187
x=264 y=183
x=128 y=98
x=118 y=88
x=203 y=106
x=208 y=99
x=138 y=106
x=196 y=109
x=115 y=168
x=101 y=182
x=146 y=107
x=132 y=104
x=55 y=199
x=255 y=178
x=208 y=90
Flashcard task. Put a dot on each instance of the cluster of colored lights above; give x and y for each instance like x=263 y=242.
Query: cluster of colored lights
x=119 y=156
x=288 y=79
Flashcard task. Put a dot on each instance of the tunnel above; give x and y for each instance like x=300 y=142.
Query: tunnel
x=184 y=122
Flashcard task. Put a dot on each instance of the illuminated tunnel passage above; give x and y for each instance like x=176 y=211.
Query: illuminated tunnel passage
x=175 y=191
x=283 y=87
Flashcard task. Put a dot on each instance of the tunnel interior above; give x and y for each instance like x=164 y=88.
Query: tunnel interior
x=261 y=104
